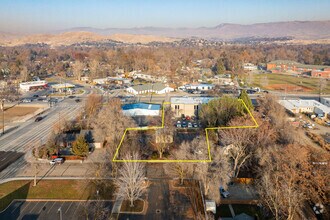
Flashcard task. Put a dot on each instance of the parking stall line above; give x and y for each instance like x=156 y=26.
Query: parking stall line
x=44 y=205
x=68 y=207
x=36 y=203
x=27 y=204
x=76 y=209
x=51 y=207
x=18 y=205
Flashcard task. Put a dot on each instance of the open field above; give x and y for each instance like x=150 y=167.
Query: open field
x=12 y=113
x=281 y=82
x=51 y=189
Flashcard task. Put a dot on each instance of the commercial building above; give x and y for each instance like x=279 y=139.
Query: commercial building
x=197 y=87
x=325 y=73
x=157 y=88
x=249 y=67
x=148 y=77
x=62 y=87
x=141 y=109
x=305 y=106
x=188 y=106
x=325 y=101
x=27 y=86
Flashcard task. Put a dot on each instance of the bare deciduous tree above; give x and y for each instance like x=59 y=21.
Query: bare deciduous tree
x=288 y=179
x=131 y=182
x=110 y=123
x=24 y=73
x=182 y=169
x=214 y=174
x=77 y=69
x=238 y=144
x=93 y=103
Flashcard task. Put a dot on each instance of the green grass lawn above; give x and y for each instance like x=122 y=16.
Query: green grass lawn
x=311 y=83
x=53 y=189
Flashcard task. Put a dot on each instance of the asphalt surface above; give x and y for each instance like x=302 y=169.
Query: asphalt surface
x=51 y=210
x=31 y=133
x=8 y=157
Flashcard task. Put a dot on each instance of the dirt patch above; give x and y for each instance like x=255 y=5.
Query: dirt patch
x=17 y=112
x=289 y=88
x=137 y=208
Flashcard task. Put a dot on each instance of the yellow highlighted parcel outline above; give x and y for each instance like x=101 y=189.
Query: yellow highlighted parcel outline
x=162 y=126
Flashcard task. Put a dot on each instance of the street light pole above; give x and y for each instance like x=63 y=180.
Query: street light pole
x=60 y=211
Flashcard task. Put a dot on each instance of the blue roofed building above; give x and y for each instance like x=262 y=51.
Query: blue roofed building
x=141 y=109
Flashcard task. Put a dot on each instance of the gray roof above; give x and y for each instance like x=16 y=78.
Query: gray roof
x=150 y=86
x=190 y=100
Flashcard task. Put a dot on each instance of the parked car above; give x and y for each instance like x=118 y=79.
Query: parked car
x=57 y=161
x=188 y=118
x=195 y=125
x=184 y=124
x=35 y=96
x=224 y=193
x=178 y=124
x=77 y=100
x=38 y=119
x=190 y=125
x=26 y=100
x=72 y=97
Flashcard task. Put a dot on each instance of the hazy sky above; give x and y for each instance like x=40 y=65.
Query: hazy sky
x=47 y=15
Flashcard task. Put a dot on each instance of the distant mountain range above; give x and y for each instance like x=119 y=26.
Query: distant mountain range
x=298 y=30
x=308 y=30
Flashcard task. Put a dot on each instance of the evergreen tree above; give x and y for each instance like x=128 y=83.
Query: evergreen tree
x=244 y=96
x=80 y=146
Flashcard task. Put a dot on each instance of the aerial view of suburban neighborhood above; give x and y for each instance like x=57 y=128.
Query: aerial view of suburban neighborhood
x=165 y=110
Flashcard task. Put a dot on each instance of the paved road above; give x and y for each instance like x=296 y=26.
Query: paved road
x=49 y=210
x=31 y=132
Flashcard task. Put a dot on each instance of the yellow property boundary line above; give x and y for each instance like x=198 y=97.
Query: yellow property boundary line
x=162 y=126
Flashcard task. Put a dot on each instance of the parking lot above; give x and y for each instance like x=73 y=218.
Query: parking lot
x=20 y=209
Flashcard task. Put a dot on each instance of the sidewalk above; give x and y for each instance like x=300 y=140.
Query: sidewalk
x=116 y=209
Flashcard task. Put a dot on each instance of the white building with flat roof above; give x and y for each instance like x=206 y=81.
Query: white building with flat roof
x=27 y=86
x=305 y=106
x=249 y=66
x=325 y=101
x=188 y=106
x=158 y=88
x=63 y=86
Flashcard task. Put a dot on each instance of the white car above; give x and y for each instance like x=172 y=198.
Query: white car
x=56 y=161
x=26 y=100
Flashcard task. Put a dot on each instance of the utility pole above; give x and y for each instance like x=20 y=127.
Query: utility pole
x=3 y=115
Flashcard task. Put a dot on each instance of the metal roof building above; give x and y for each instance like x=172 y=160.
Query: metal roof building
x=141 y=109
x=158 y=88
